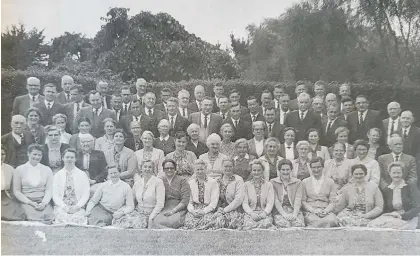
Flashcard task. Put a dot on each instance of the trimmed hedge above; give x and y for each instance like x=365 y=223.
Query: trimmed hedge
x=13 y=84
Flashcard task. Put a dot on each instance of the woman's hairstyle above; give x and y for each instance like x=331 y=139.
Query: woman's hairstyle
x=311 y=130
x=289 y=129
x=224 y=126
x=173 y=99
x=316 y=159
x=163 y=122
x=358 y=166
x=33 y=147
x=58 y=116
x=106 y=120
x=33 y=110
x=256 y=162
x=147 y=161
x=271 y=139
x=213 y=138
x=358 y=143
x=340 y=130
x=257 y=123
x=228 y=160
x=120 y=131
x=70 y=150
x=396 y=164
x=50 y=128
x=379 y=131
x=84 y=119
x=284 y=161
x=180 y=135
x=86 y=136
x=339 y=143
x=192 y=127
x=135 y=123
x=168 y=161
x=148 y=133
x=199 y=162
x=241 y=140
x=302 y=143
x=109 y=167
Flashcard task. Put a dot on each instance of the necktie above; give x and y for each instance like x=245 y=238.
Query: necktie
x=270 y=127
x=149 y=112
x=33 y=98
x=392 y=127
x=302 y=115
x=396 y=158
x=223 y=115
x=126 y=109
x=236 y=123
x=137 y=144
x=405 y=133
x=361 y=118
x=68 y=97
x=49 y=106
x=183 y=112
x=137 y=119
x=328 y=126
x=205 y=122
x=172 y=122
x=77 y=107
x=254 y=118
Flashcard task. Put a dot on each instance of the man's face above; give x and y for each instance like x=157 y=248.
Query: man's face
x=54 y=137
x=218 y=91
x=299 y=89
x=406 y=119
x=278 y=92
x=172 y=108
x=234 y=97
x=165 y=96
x=66 y=84
x=303 y=103
x=95 y=100
x=317 y=105
x=183 y=99
x=199 y=93
x=332 y=113
x=141 y=88
x=136 y=130
x=86 y=144
x=75 y=96
x=348 y=107
x=396 y=145
x=126 y=96
x=284 y=102
x=149 y=100
x=266 y=99
x=344 y=91
x=319 y=90
x=206 y=106
x=235 y=112
x=224 y=105
x=136 y=108
x=33 y=88
x=393 y=110
x=362 y=104
x=253 y=106
x=330 y=99
x=18 y=125
x=270 y=116
x=116 y=103
x=50 y=93
x=102 y=88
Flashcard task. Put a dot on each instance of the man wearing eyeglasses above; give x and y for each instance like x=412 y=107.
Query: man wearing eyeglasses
x=22 y=103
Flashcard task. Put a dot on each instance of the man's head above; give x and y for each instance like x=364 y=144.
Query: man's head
x=207 y=105
x=184 y=98
x=50 y=92
x=395 y=143
x=66 y=83
x=270 y=115
x=304 y=101
x=218 y=90
x=18 y=124
x=301 y=87
x=86 y=142
x=235 y=111
x=332 y=111
x=126 y=94
x=102 y=87
x=113 y=173
x=252 y=105
x=348 y=105
x=362 y=103
x=266 y=99
x=141 y=86
x=317 y=104
x=278 y=91
x=95 y=99
x=172 y=106
x=33 y=85
x=284 y=102
x=149 y=99
x=136 y=107
x=116 y=102
x=319 y=88
x=234 y=96
x=394 y=109
x=135 y=128
x=165 y=94
x=224 y=104
x=76 y=93
x=331 y=98
x=344 y=90
x=199 y=92
x=406 y=118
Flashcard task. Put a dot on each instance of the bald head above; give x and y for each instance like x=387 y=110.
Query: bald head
x=331 y=98
x=199 y=92
x=102 y=87
x=406 y=118
x=67 y=82
x=33 y=85
x=18 y=124
x=394 y=109
x=141 y=85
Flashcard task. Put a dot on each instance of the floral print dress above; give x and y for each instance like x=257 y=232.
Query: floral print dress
x=281 y=222
x=351 y=217
x=183 y=166
x=264 y=223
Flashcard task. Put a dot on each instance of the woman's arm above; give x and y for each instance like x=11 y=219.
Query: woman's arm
x=375 y=173
x=48 y=188
x=245 y=204
x=239 y=196
x=95 y=199
x=270 y=199
x=160 y=199
x=85 y=186
x=379 y=205
x=17 y=188
x=332 y=198
x=298 y=199
x=58 y=192
x=214 y=198
x=131 y=166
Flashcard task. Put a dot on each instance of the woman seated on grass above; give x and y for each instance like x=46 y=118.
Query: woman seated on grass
x=177 y=196
x=288 y=197
x=360 y=201
x=259 y=199
x=401 y=209
x=203 y=199
x=319 y=196
x=71 y=191
x=149 y=192
x=112 y=200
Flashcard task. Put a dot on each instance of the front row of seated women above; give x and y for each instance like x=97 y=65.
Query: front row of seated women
x=170 y=200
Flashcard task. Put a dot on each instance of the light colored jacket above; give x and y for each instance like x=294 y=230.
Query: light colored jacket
x=294 y=192
x=152 y=197
x=157 y=158
x=373 y=171
x=266 y=198
x=81 y=187
x=235 y=193
x=211 y=195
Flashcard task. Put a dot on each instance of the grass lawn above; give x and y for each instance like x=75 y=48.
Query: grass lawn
x=17 y=239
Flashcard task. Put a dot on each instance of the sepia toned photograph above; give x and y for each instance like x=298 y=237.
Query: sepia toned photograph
x=221 y=127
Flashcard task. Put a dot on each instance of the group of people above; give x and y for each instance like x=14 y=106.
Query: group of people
x=129 y=161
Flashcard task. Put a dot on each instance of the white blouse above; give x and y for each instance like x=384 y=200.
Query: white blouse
x=259 y=147
x=81 y=187
x=150 y=195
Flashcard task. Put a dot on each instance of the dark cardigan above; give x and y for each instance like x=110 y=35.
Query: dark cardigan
x=410 y=205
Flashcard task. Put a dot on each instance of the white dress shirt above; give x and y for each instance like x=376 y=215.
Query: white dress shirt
x=394 y=156
x=80 y=104
x=202 y=119
x=289 y=152
x=363 y=116
x=396 y=121
x=99 y=111
x=170 y=120
x=317 y=184
x=104 y=103
x=86 y=159
x=182 y=110
x=304 y=114
x=259 y=147
x=283 y=115
x=49 y=102
x=405 y=131
x=17 y=137
x=147 y=110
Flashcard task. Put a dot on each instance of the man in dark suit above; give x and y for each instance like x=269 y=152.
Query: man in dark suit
x=142 y=87
x=235 y=99
x=183 y=100
x=241 y=128
x=283 y=110
x=146 y=122
x=64 y=96
x=218 y=92
x=330 y=124
x=224 y=107
x=165 y=94
x=266 y=101
x=392 y=124
x=255 y=111
x=278 y=91
x=149 y=108
x=272 y=125
x=22 y=103
x=344 y=92
x=199 y=94
x=17 y=141
x=318 y=107
x=177 y=122
x=411 y=136
x=303 y=119
x=49 y=107
x=209 y=122
x=73 y=108
x=300 y=88
x=103 y=88
x=91 y=161
x=96 y=114
x=362 y=120
x=116 y=106
x=126 y=101
x=347 y=106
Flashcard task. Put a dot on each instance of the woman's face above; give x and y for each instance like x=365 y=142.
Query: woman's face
x=338 y=151
x=214 y=147
x=361 y=151
x=60 y=123
x=181 y=143
x=109 y=128
x=396 y=174
x=54 y=137
x=3 y=155
x=34 y=156
x=136 y=131
x=285 y=171
x=242 y=149
x=272 y=148
x=359 y=175
x=163 y=129
x=69 y=158
x=227 y=132
x=147 y=140
x=316 y=169
x=228 y=168
x=313 y=137
x=374 y=137
x=289 y=137
x=169 y=169
x=113 y=174
x=33 y=117
x=342 y=137
x=119 y=138
x=257 y=171
x=303 y=151
x=194 y=134
x=84 y=127
x=147 y=168
x=200 y=170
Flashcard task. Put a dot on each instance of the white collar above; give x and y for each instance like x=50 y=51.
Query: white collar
x=256 y=141
x=174 y=116
x=332 y=121
x=17 y=135
x=399 y=155
x=164 y=138
x=50 y=102
x=127 y=104
x=304 y=112
x=233 y=120
x=99 y=110
x=292 y=146
x=400 y=186
x=198 y=103
x=31 y=96
x=408 y=128
x=246 y=157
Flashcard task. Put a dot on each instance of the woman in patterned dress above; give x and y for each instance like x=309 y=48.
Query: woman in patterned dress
x=184 y=159
x=122 y=157
x=177 y=196
x=203 y=199
x=33 y=116
x=360 y=201
x=338 y=168
x=148 y=152
x=106 y=142
x=214 y=158
x=60 y=121
x=271 y=158
x=242 y=159
x=314 y=148
x=149 y=192
x=227 y=147
x=301 y=168
x=71 y=191
x=231 y=196
x=288 y=197
x=259 y=199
